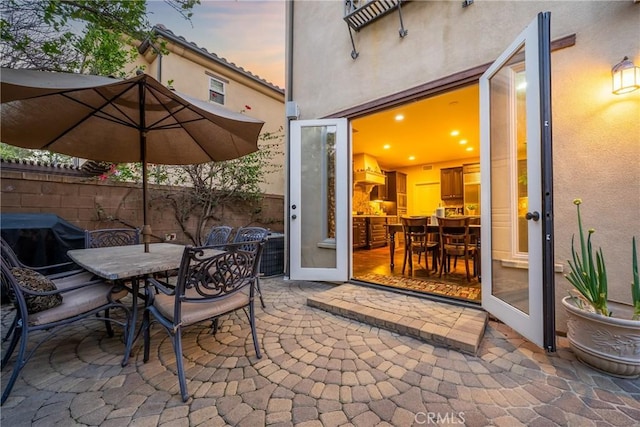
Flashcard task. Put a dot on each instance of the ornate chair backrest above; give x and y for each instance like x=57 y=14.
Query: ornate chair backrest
x=245 y=234
x=248 y=234
x=209 y=274
x=218 y=235
x=111 y=237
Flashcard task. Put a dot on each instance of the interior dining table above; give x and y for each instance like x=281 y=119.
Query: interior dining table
x=392 y=229
x=132 y=264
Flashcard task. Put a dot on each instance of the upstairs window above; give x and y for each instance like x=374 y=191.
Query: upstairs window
x=216 y=91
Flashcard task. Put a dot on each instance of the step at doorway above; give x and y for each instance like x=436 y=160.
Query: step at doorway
x=440 y=324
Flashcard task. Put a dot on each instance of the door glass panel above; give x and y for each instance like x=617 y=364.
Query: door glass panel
x=318 y=196
x=508 y=130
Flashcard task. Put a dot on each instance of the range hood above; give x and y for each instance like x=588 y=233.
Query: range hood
x=366 y=171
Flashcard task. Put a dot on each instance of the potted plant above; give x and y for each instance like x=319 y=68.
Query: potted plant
x=602 y=333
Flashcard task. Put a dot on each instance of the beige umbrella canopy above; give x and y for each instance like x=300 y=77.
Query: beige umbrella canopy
x=122 y=121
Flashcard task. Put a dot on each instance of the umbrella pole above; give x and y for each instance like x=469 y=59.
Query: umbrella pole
x=146 y=228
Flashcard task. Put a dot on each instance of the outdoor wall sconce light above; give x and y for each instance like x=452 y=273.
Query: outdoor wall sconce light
x=626 y=77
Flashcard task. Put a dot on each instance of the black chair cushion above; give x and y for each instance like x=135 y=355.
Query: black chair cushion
x=34 y=281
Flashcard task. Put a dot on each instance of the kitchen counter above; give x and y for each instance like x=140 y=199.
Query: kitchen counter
x=369 y=231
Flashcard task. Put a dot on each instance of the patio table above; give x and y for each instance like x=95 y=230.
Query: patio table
x=129 y=263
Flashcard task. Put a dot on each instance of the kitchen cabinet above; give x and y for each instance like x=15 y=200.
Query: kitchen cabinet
x=451 y=184
x=377 y=232
x=397 y=191
x=370 y=231
x=379 y=192
x=359 y=232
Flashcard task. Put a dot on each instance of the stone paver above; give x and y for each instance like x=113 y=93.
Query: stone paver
x=319 y=369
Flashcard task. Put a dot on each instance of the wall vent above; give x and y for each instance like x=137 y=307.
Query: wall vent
x=427 y=167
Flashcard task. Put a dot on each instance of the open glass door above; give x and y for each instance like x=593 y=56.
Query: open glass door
x=319 y=200
x=512 y=126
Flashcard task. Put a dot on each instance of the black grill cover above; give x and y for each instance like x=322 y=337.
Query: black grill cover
x=40 y=239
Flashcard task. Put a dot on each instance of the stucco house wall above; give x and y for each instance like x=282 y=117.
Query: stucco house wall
x=596 y=134
x=189 y=67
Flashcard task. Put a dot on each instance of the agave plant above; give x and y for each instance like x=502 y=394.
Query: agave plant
x=588 y=276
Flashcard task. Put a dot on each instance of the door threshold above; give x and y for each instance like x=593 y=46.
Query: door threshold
x=419 y=294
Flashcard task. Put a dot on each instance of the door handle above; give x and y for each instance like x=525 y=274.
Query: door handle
x=532 y=216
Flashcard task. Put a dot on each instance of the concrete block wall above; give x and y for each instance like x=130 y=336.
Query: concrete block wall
x=90 y=204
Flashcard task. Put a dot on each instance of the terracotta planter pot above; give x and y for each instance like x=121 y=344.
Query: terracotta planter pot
x=609 y=344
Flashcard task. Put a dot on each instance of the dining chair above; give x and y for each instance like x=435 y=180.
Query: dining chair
x=212 y=281
x=475 y=240
x=218 y=235
x=455 y=240
x=12 y=260
x=418 y=240
x=44 y=306
x=248 y=234
x=108 y=237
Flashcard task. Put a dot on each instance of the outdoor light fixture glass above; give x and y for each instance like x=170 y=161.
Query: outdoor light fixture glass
x=626 y=77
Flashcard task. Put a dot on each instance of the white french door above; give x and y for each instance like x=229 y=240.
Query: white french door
x=513 y=129
x=319 y=200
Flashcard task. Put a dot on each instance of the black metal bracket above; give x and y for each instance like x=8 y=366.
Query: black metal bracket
x=358 y=17
x=401 y=31
x=354 y=52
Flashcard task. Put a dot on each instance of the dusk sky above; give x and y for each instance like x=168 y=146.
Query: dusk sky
x=248 y=33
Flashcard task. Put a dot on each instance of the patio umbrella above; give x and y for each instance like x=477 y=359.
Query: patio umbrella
x=121 y=121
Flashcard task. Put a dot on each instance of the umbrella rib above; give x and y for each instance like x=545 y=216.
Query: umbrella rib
x=178 y=123
x=94 y=112
x=174 y=125
x=170 y=113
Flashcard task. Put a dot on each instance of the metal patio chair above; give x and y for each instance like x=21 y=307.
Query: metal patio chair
x=210 y=283
x=68 y=276
x=108 y=237
x=244 y=234
x=218 y=235
x=40 y=307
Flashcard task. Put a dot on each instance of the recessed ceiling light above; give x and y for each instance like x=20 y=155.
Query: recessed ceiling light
x=469 y=148
x=399 y=117
x=386 y=146
x=455 y=132
x=412 y=157
x=463 y=141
